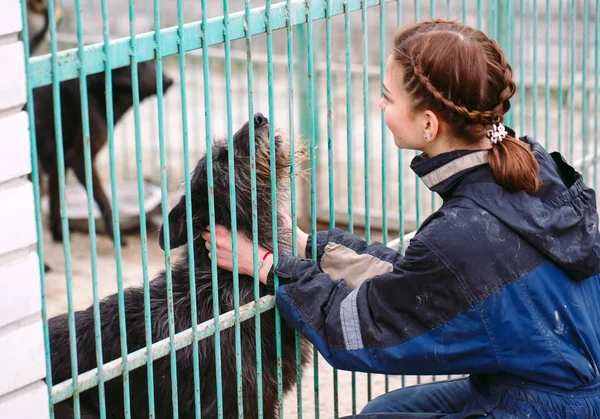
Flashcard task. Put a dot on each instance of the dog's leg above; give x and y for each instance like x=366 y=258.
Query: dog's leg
x=99 y=197
x=55 y=227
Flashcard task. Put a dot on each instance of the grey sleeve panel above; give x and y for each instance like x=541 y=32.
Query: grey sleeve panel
x=351 y=322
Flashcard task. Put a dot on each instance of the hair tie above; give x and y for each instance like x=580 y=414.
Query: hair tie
x=497 y=133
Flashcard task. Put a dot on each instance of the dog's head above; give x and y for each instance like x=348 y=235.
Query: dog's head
x=243 y=190
x=122 y=81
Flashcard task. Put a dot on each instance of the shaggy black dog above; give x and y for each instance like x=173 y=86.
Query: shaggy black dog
x=134 y=304
x=72 y=133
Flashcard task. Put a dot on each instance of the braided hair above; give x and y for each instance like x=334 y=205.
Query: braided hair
x=463 y=76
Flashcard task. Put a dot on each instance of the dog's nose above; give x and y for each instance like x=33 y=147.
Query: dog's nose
x=259 y=120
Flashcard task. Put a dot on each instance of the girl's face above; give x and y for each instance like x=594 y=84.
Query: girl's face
x=406 y=125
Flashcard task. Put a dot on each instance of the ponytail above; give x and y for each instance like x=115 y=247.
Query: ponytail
x=514 y=166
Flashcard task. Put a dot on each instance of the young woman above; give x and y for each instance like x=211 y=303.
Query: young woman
x=501 y=283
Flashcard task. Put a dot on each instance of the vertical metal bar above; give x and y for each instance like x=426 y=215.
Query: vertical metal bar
x=290 y=68
x=596 y=92
x=140 y=188
x=560 y=98
x=35 y=179
x=464 y=12
x=274 y=214
x=584 y=98
x=253 y=191
x=449 y=9
x=479 y=15
x=211 y=211
x=188 y=209
x=382 y=61
x=495 y=19
x=417 y=181
x=233 y=209
x=87 y=157
x=365 y=54
x=547 y=77
x=401 y=231
x=313 y=185
x=572 y=92
x=535 y=68
x=349 y=156
x=522 y=127
x=417 y=10
x=432 y=16
x=60 y=158
x=165 y=208
x=330 y=161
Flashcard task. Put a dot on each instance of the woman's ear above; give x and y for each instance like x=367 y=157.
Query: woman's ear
x=431 y=126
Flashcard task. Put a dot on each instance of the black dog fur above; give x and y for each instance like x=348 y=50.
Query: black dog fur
x=134 y=305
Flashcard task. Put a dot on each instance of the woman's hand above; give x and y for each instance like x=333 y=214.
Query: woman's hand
x=224 y=246
x=301 y=236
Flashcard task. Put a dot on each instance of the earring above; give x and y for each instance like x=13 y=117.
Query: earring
x=427 y=137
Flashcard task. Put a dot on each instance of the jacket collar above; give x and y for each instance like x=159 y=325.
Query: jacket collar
x=443 y=172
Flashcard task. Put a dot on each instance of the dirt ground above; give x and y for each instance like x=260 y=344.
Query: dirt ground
x=132 y=275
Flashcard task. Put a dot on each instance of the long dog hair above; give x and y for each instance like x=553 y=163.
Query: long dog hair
x=134 y=304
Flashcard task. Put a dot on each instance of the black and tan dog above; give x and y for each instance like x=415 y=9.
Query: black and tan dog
x=134 y=304
x=72 y=133
x=38 y=21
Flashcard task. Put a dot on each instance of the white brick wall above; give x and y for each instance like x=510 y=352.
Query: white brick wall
x=23 y=393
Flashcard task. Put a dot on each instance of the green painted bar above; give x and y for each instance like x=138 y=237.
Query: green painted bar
x=211 y=211
x=349 y=119
x=313 y=185
x=584 y=96
x=464 y=11
x=479 y=15
x=291 y=129
x=560 y=75
x=253 y=193
x=547 y=77
x=87 y=154
x=188 y=213
x=365 y=62
x=274 y=214
x=165 y=210
x=141 y=195
x=596 y=90
x=69 y=64
x=495 y=19
x=522 y=127
x=330 y=162
x=535 y=82
x=233 y=210
x=35 y=180
x=572 y=87
x=60 y=158
x=449 y=9
x=384 y=199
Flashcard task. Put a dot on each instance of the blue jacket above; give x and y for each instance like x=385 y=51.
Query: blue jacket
x=503 y=286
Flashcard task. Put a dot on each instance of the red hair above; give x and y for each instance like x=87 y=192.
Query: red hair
x=462 y=76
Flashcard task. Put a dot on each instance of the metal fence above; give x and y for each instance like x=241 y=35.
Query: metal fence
x=316 y=68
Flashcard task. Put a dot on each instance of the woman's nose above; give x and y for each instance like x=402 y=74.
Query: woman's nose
x=382 y=104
